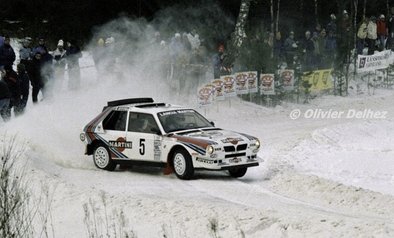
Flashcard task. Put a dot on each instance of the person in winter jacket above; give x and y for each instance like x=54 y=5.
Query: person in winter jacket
x=382 y=33
x=59 y=61
x=5 y=96
x=35 y=75
x=390 y=26
x=371 y=35
x=25 y=52
x=7 y=54
x=291 y=48
x=45 y=59
x=308 y=49
x=362 y=35
x=24 y=81
x=219 y=67
x=11 y=78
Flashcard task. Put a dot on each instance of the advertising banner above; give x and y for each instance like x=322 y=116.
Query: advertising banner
x=267 y=84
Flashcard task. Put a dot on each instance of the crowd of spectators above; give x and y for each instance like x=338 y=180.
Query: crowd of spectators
x=188 y=59
x=36 y=67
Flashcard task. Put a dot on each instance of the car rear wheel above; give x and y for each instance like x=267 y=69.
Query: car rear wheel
x=238 y=172
x=183 y=165
x=102 y=158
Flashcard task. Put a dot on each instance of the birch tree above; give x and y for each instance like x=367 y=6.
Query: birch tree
x=239 y=33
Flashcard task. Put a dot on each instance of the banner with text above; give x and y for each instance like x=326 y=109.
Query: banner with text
x=380 y=60
x=319 y=80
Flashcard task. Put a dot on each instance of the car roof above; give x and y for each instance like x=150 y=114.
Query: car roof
x=143 y=105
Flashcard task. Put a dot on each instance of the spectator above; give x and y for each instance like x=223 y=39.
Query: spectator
x=291 y=47
x=361 y=36
x=1 y=41
x=390 y=26
x=308 y=50
x=219 y=68
x=98 y=54
x=74 y=73
x=11 y=78
x=24 y=81
x=278 y=47
x=25 y=52
x=332 y=26
x=331 y=48
x=371 y=35
x=36 y=78
x=46 y=59
x=381 y=32
x=322 y=42
x=59 y=61
x=5 y=96
x=7 y=54
x=316 y=58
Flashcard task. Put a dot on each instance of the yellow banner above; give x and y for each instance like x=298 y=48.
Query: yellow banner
x=319 y=79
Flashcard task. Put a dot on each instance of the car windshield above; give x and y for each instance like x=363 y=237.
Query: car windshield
x=178 y=120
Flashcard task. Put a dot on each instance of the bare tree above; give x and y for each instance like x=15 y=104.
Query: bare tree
x=239 y=33
x=316 y=12
x=277 y=17
x=15 y=215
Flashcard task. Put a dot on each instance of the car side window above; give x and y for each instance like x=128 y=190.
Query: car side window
x=141 y=122
x=116 y=121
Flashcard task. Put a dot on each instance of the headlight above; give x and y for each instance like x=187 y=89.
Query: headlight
x=257 y=143
x=210 y=149
x=82 y=136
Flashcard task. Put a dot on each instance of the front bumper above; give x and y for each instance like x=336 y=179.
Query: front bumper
x=226 y=163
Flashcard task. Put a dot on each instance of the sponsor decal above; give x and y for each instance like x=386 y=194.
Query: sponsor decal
x=235 y=160
x=207 y=161
x=233 y=141
x=176 y=112
x=121 y=144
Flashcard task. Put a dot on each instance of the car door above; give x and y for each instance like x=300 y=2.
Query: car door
x=145 y=136
x=114 y=126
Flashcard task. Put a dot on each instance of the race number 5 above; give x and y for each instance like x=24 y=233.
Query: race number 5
x=142 y=146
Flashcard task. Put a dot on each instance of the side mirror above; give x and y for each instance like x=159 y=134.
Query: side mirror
x=212 y=123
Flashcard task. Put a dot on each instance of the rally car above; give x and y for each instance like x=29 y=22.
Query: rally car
x=141 y=131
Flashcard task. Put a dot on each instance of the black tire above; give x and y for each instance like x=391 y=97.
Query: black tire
x=237 y=172
x=183 y=165
x=102 y=158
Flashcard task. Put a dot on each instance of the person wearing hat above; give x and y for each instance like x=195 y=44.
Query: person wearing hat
x=7 y=54
x=59 y=61
x=382 y=33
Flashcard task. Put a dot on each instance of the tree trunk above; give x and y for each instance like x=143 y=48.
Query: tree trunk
x=364 y=8
x=316 y=12
x=355 y=2
x=272 y=16
x=277 y=17
x=238 y=35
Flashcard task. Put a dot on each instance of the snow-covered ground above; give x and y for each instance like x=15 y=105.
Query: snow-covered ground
x=320 y=177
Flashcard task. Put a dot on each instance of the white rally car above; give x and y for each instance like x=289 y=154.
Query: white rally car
x=141 y=131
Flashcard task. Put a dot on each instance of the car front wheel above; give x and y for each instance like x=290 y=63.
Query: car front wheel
x=183 y=165
x=238 y=172
x=102 y=158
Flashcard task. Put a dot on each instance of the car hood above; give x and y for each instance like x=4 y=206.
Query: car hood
x=203 y=138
